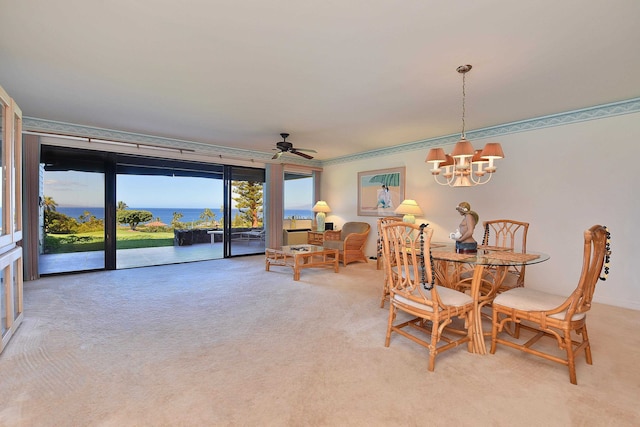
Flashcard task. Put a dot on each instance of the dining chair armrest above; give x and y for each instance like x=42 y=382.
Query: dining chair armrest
x=356 y=240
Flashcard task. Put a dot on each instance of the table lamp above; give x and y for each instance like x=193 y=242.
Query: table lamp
x=409 y=208
x=321 y=207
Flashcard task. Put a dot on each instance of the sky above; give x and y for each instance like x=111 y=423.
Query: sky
x=86 y=189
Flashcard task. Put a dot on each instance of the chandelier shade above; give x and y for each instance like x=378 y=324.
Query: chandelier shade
x=465 y=166
x=493 y=150
x=463 y=148
x=436 y=155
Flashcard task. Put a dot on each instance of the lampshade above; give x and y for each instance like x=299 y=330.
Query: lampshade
x=409 y=208
x=477 y=157
x=493 y=150
x=321 y=207
x=463 y=148
x=436 y=155
x=448 y=162
x=479 y=162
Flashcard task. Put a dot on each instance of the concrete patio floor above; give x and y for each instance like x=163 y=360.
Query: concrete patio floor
x=144 y=257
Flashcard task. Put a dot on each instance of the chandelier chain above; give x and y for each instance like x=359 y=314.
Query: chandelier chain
x=463 y=104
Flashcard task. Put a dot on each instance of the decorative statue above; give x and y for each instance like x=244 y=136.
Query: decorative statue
x=465 y=243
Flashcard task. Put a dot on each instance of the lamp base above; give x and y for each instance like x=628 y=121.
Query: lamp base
x=411 y=219
x=320 y=217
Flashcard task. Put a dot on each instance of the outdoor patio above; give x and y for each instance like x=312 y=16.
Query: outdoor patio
x=142 y=257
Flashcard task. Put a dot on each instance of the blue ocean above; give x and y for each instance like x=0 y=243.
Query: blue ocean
x=166 y=214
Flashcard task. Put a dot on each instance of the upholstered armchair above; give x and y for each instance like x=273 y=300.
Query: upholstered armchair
x=349 y=241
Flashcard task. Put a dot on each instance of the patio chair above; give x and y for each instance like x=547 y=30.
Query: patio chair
x=255 y=234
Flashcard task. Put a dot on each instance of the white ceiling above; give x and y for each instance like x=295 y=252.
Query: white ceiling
x=342 y=77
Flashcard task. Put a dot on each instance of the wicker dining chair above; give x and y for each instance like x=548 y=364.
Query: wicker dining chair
x=552 y=315
x=413 y=291
x=381 y=259
x=499 y=235
x=507 y=234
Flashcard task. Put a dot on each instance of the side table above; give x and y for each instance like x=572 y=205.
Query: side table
x=315 y=238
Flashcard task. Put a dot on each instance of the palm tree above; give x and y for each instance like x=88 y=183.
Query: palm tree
x=121 y=206
x=49 y=204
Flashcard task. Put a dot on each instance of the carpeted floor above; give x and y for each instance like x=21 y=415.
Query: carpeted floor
x=223 y=342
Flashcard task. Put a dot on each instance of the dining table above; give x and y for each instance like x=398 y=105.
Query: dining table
x=480 y=274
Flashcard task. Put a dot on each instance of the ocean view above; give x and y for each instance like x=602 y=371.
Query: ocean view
x=166 y=214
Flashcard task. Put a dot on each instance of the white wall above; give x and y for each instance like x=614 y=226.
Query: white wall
x=560 y=179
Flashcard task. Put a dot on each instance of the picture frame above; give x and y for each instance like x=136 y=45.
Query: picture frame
x=380 y=191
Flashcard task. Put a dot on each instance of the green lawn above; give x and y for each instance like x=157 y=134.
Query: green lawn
x=94 y=241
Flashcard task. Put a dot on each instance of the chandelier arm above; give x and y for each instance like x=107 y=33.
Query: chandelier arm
x=479 y=181
x=437 y=180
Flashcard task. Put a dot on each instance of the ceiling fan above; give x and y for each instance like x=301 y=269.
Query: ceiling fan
x=286 y=147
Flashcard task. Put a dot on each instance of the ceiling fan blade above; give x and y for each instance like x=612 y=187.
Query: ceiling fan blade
x=285 y=146
x=306 y=156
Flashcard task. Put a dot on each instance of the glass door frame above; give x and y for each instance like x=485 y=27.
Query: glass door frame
x=241 y=173
x=110 y=162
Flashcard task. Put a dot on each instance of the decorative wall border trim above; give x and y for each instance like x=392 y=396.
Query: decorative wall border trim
x=586 y=114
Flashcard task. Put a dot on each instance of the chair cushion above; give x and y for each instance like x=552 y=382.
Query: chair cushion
x=353 y=227
x=527 y=299
x=333 y=244
x=447 y=296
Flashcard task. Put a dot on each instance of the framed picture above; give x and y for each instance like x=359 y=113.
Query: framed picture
x=380 y=191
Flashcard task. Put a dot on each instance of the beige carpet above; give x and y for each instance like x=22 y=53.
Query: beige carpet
x=223 y=342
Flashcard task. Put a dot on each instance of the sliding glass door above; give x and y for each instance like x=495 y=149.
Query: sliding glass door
x=244 y=220
x=72 y=213
x=104 y=210
x=164 y=218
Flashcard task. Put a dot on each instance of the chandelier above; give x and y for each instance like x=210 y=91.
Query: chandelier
x=465 y=166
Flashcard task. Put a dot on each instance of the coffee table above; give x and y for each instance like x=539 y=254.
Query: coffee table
x=301 y=256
